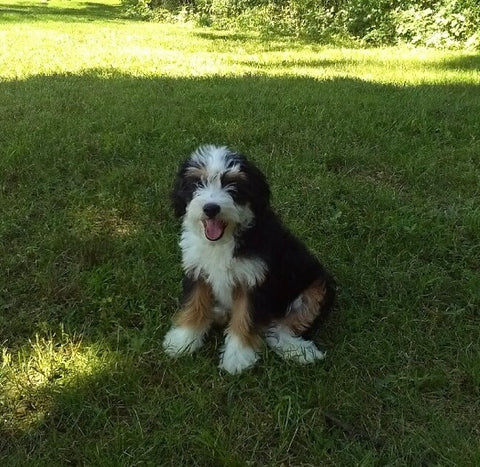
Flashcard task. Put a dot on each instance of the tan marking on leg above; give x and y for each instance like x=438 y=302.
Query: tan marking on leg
x=301 y=317
x=196 y=313
x=241 y=321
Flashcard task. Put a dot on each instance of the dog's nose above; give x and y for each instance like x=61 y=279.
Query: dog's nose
x=211 y=210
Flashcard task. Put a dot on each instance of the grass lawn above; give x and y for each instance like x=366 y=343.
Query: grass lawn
x=374 y=160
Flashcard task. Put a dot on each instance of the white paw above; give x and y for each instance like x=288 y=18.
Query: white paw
x=236 y=357
x=292 y=347
x=181 y=340
x=308 y=353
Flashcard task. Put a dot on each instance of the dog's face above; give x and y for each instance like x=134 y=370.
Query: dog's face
x=218 y=192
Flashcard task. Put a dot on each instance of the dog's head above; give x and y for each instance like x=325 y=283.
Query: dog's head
x=218 y=191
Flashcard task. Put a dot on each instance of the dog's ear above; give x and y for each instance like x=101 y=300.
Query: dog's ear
x=257 y=186
x=181 y=194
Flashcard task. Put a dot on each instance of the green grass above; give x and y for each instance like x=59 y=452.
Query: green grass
x=373 y=158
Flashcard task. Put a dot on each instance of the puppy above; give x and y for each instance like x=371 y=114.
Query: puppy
x=242 y=266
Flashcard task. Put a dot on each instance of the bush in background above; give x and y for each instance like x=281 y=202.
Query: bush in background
x=448 y=23
x=445 y=23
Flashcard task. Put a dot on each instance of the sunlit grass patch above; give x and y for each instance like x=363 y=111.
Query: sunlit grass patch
x=32 y=377
x=161 y=49
x=91 y=221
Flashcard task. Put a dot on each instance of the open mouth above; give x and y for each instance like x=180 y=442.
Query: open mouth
x=214 y=229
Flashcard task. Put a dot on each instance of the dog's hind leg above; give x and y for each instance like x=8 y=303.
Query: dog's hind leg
x=311 y=307
x=285 y=337
x=292 y=347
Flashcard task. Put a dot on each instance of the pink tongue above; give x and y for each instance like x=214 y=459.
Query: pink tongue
x=214 y=229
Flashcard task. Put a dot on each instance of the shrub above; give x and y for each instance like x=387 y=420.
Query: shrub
x=451 y=23
x=446 y=23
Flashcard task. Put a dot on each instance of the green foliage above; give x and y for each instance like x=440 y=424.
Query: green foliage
x=447 y=23
x=450 y=23
x=370 y=20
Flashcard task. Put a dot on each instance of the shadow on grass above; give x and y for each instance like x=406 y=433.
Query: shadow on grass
x=138 y=406
x=92 y=241
x=267 y=42
x=465 y=63
x=64 y=400
x=88 y=243
x=84 y=12
x=224 y=36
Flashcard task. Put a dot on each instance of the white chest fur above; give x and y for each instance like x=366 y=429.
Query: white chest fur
x=214 y=261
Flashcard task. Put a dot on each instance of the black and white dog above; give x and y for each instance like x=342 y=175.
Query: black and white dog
x=242 y=266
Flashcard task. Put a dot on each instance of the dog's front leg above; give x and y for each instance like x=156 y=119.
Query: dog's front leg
x=241 y=341
x=192 y=322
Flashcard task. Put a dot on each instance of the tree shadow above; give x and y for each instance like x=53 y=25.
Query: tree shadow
x=266 y=42
x=465 y=63
x=85 y=12
x=138 y=405
x=223 y=36
x=77 y=241
x=295 y=63
x=377 y=179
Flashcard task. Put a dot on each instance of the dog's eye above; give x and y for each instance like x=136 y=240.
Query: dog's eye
x=194 y=183
x=228 y=185
x=231 y=188
x=239 y=196
x=228 y=181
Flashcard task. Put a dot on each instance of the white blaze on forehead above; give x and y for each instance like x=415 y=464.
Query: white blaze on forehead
x=215 y=160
